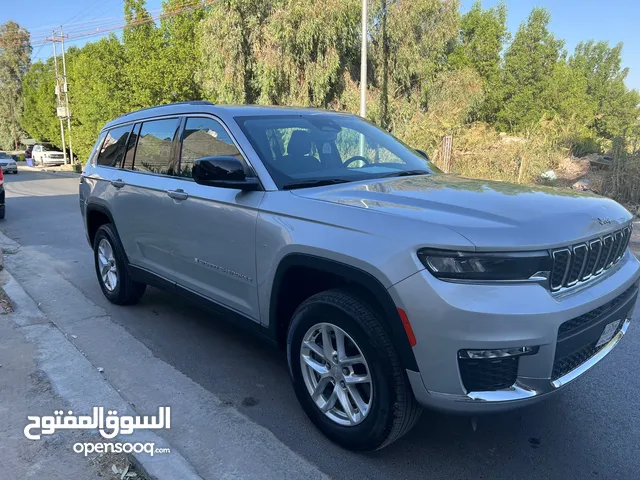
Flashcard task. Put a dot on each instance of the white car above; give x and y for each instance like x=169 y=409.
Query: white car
x=47 y=155
x=8 y=163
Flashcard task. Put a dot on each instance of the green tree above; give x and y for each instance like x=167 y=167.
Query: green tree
x=307 y=47
x=39 y=118
x=420 y=35
x=142 y=45
x=528 y=65
x=15 y=54
x=97 y=92
x=483 y=34
x=179 y=54
x=228 y=38
x=616 y=106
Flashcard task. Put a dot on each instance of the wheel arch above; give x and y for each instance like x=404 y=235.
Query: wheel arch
x=289 y=291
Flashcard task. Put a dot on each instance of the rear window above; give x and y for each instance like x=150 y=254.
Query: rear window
x=154 y=151
x=114 y=147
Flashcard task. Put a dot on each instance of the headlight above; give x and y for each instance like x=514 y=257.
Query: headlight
x=449 y=264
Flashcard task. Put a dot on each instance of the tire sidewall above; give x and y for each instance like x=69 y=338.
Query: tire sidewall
x=106 y=233
x=373 y=430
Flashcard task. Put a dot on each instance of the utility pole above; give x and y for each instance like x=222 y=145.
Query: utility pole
x=363 y=72
x=363 y=62
x=60 y=106
x=66 y=96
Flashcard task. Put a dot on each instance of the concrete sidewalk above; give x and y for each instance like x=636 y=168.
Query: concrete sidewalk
x=209 y=438
x=42 y=371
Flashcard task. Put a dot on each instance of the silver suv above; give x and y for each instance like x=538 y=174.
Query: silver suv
x=390 y=285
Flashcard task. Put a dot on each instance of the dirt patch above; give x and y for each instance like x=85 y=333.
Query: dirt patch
x=5 y=303
x=113 y=466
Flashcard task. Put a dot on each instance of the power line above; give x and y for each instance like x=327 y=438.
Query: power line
x=117 y=23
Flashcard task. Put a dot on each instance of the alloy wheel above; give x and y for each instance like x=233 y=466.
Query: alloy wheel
x=336 y=374
x=107 y=265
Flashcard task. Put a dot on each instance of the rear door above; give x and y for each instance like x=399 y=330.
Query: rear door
x=139 y=186
x=213 y=229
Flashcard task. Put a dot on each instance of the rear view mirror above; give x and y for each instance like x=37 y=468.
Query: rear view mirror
x=423 y=153
x=223 y=171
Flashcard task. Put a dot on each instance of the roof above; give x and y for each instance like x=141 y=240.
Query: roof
x=202 y=106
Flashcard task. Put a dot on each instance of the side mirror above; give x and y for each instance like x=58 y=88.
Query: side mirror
x=223 y=171
x=423 y=153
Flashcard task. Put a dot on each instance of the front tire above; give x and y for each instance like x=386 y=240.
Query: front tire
x=346 y=372
x=111 y=268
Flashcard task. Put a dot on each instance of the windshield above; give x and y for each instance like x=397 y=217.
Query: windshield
x=323 y=148
x=4 y=155
x=49 y=148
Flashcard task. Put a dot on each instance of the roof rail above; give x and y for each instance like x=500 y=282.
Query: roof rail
x=191 y=102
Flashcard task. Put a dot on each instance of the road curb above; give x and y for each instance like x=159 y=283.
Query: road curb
x=56 y=351
x=49 y=171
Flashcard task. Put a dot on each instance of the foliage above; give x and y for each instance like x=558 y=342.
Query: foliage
x=616 y=108
x=93 y=71
x=528 y=65
x=483 y=34
x=431 y=72
x=15 y=53
x=38 y=92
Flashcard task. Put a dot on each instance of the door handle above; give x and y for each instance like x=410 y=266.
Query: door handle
x=178 y=194
x=118 y=183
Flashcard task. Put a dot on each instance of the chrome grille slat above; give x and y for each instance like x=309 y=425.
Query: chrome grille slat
x=595 y=247
x=578 y=257
x=578 y=263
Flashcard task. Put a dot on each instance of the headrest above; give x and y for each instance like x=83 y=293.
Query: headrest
x=299 y=143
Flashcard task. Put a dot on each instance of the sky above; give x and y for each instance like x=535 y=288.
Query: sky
x=571 y=20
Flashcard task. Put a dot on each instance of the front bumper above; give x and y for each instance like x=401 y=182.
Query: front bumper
x=9 y=168
x=449 y=317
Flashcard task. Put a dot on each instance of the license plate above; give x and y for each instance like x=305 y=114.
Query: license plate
x=608 y=332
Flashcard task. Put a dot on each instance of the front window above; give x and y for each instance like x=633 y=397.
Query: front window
x=322 y=148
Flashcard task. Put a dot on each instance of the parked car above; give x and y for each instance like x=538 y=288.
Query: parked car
x=390 y=285
x=45 y=155
x=2 y=208
x=8 y=163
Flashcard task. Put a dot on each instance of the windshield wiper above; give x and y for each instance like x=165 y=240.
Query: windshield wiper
x=314 y=183
x=407 y=173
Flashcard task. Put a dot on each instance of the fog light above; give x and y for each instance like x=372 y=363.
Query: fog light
x=498 y=353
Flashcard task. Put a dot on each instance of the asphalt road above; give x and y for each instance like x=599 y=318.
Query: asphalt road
x=591 y=430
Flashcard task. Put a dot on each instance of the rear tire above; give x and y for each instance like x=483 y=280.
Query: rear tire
x=389 y=405
x=111 y=268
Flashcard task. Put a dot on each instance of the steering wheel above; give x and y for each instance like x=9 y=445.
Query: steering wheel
x=356 y=158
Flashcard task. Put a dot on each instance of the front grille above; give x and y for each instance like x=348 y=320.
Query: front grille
x=578 y=263
x=488 y=374
x=570 y=362
x=571 y=326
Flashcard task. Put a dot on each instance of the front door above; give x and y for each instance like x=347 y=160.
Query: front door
x=213 y=229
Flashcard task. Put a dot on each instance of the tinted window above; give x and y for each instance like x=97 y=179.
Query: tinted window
x=114 y=146
x=204 y=137
x=154 y=153
x=131 y=148
x=301 y=149
x=96 y=149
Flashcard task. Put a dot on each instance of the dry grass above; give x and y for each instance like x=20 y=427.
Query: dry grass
x=481 y=152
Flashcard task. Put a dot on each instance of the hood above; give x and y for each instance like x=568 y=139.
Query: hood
x=491 y=215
